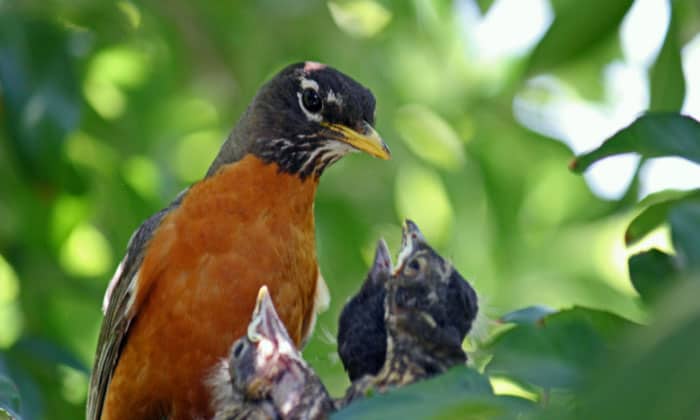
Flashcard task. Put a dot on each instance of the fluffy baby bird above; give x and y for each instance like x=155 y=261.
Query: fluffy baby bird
x=428 y=310
x=361 y=330
x=265 y=376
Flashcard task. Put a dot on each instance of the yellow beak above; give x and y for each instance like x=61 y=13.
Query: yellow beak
x=368 y=142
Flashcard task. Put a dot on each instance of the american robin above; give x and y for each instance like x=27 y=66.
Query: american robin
x=265 y=376
x=187 y=285
x=429 y=309
x=361 y=330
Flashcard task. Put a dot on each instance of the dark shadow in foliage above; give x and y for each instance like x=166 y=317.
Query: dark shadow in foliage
x=575 y=30
x=657 y=375
x=652 y=272
x=656 y=207
x=41 y=98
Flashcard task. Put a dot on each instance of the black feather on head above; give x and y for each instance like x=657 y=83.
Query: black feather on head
x=361 y=330
x=305 y=118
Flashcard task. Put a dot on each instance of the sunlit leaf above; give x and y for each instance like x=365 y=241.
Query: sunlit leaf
x=429 y=136
x=68 y=211
x=666 y=79
x=359 y=18
x=656 y=212
x=651 y=135
x=108 y=74
x=194 y=114
x=74 y=384
x=195 y=152
x=652 y=272
x=685 y=232
x=11 y=318
x=575 y=30
x=421 y=196
x=7 y=414
x=143 y=176
x=9 y=283
x=131 y=12
x=506 y=386
x=85 y=150
x=86 y=252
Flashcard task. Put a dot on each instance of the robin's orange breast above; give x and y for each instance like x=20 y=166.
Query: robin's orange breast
x=247 y=226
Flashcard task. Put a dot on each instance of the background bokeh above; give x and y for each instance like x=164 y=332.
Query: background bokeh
x=109 y=109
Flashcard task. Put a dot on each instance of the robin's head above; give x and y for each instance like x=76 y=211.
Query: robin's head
x=305 y=118
x=426 y=294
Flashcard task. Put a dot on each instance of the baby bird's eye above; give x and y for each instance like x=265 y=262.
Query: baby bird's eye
x=414 y=266
x=238 y=349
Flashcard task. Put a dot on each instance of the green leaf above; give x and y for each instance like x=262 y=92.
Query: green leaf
x=46 y=351
x=429 y=136
x=9 y=396
x=657 y=374
x=685 y=233
x=529 y=315
x=40 y=96
x=575 y=30
x=359 y=18
x=484 y=5
x=7 y=414
x=461 y=391
x=652 y=272
x=556 y=351
x=666 y=80
x=651 y=135
x=656 y=212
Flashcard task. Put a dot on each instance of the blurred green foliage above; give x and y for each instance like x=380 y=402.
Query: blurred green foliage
x=109 y=109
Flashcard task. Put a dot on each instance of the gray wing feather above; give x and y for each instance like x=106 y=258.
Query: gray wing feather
x=115 y=325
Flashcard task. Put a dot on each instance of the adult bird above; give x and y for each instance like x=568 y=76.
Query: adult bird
x=265 y=376
x=188 y=283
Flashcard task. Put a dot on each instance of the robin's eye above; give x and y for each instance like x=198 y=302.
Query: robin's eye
x=312 y=102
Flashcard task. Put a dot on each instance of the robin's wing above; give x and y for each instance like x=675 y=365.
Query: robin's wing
x=118 y=313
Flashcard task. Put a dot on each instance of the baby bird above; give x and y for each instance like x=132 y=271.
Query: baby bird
x=428 y=310
x=361 y=330
x=265 y=376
